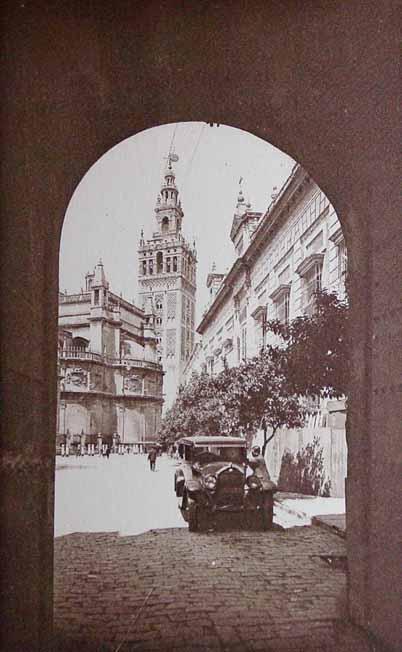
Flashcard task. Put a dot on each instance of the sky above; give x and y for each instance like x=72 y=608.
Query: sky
x=116 y=199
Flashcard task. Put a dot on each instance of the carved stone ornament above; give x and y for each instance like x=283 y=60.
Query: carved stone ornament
x=95 y=380
x=77 y=377
x=133 y=384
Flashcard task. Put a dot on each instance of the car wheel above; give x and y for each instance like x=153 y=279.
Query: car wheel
x=192 y=510
x=179 y=486
x=254 y=520
x=205 y=520
x=267 y=513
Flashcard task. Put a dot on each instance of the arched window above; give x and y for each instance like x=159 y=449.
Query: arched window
x=175 y=263
x=80 y=343
x=165 y=225
x=144 y=267
x=151 y=266
x=159 y=262
x=168 y=264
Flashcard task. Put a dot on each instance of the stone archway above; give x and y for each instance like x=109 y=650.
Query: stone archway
x=317 y=80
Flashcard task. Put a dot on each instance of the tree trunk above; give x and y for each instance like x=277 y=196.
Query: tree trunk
x=266 y=441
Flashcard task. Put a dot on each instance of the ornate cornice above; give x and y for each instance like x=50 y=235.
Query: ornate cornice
x=308 y=263
x=280 y=291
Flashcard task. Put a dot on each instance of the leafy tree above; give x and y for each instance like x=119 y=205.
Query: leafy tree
x=267 y=390
x=313 y=354
x=197 y=410
x=236 y=401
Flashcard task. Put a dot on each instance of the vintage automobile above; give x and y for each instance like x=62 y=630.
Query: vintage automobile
x=215 y=477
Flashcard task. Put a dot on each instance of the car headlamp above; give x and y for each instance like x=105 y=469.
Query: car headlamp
x=210 y=482
x=254 y=482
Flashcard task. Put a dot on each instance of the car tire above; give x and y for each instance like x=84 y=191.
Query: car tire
x=192 y=516
x=204 y=520
x=178 y=486
x=267 y=513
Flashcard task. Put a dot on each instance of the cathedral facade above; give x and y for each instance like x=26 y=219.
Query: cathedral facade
x=167 y=283
x=110 y=379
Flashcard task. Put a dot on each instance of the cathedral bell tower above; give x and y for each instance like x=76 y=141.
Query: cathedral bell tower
x=167 y=277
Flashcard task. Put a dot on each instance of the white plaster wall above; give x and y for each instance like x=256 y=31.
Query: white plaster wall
x=334 y=446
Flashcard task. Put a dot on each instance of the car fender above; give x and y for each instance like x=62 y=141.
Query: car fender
x=192 y=486
x=179 y=481
x=268 y=486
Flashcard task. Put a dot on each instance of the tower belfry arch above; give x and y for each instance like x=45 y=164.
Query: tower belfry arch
x=167 y=281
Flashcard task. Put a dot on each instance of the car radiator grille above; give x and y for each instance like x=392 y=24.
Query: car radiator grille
x=230 y=488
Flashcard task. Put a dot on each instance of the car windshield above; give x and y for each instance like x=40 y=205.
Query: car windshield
x=229 y=453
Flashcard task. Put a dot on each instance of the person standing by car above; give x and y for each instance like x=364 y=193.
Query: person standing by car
x=257 y=463
x=152 y=458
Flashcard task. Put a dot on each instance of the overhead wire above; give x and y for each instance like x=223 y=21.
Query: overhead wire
x=173 y=137
x=193 y=154
x=189 y=166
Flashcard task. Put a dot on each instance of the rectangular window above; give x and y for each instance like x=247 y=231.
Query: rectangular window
x=244 y=343
x=260 y=334
x=342 y=261
x=96 y=298
x=243 y=314
x=282 y=309
x=311 y=284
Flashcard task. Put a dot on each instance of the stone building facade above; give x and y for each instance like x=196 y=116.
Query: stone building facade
x=167 y=283
x=109 y=373
x=282 y=258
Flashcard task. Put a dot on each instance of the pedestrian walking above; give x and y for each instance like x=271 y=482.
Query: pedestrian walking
x=152 y=458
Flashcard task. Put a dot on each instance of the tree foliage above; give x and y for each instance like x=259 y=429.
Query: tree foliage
x=313 y=354
x=267 y=391
x=236 y=401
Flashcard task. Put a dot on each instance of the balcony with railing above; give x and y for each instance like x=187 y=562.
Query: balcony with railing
x=76 y=353
x=74 y=298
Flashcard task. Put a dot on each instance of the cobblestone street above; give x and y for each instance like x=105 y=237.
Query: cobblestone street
x=123 y=585
x=172 y=590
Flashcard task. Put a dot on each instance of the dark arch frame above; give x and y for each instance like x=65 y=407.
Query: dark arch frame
x=318 y=80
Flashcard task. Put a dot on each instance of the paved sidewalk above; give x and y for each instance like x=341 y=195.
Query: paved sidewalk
x=334 y=522
x=171 y=590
